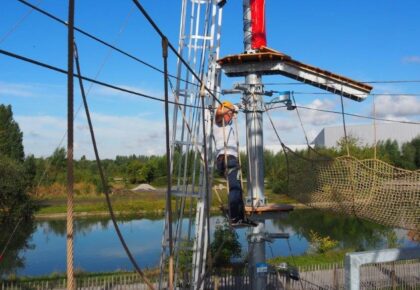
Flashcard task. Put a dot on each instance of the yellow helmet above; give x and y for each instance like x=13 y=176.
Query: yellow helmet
x=223 y=111
x=227 y=104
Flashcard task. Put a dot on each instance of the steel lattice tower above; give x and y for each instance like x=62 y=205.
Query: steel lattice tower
x=199 y=42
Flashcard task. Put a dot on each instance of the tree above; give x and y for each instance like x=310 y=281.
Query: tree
x=14 y=202
x=10 y=135
x=30 y=171
x=225 y=245
x=416 y=144
x=58 y=165
x=132 y=171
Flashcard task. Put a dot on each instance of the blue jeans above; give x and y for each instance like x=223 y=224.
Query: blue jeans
x=236 y=203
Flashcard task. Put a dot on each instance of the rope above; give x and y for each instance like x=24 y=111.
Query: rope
x=238 y=152
x=283 y=146
x=168 y=166
x=218 y=251
x=97 y=39
x=294 y=262
x=187 y=124
x=300 y=120
x=351 y=115
x=44 y=65
x=174 y=50
x=17 y=24
x=375 y=142
x=226 y=162
x=100 y=69
x=103 y=179
x=344 y=123
x=70 y=178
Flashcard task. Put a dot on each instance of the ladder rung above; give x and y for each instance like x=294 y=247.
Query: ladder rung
x=195 y=36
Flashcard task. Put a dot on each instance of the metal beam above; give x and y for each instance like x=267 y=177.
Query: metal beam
x=271 y=62
x=304 y=73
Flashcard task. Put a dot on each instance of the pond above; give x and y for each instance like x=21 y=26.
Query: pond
x=98 y=249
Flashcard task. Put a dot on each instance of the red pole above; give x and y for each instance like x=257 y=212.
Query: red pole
x=258 y=39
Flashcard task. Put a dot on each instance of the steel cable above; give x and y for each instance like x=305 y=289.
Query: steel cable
x=41 y=64
x=103 y=179
x=161 y=34
x=351 y=115
x=95 y=38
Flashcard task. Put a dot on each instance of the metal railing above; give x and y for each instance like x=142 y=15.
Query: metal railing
x=354 y=261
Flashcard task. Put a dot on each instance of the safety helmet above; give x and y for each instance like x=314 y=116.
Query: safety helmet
x=227 y=104
x=225 y=110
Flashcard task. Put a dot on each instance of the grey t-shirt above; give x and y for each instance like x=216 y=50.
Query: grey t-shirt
x=230 y=136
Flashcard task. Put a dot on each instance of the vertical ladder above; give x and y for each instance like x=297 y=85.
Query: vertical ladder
x=199 y=42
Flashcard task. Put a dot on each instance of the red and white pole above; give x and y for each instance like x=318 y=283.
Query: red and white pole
x=258 y=32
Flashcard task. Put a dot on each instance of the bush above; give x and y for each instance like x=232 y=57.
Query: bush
x=279 y=186
x=321 y=244
x=225 y=245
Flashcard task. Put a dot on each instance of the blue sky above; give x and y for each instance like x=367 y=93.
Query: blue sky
x=363 y=40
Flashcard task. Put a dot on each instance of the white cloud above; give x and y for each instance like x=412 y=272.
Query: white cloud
x=115 y=135
x=284 y=125
x=8 y=89
x=16 y=90
x=317 y=118
x=411 y=59
x=397 y=106
x=99 y=90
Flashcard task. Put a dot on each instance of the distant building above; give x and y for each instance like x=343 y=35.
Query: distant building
x=399 y=132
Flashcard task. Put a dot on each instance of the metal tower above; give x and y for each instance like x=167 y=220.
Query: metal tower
x=258 y=60
x=199 y=42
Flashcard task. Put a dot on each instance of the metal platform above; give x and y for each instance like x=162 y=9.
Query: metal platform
x=268 y=61
x=268 y=211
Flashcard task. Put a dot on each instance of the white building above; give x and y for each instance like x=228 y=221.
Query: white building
x=399 y=132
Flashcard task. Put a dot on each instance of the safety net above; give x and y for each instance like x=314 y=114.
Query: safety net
x=369 y=189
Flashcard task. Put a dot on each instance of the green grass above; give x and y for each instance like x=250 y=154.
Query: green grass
x=128 y=202
x=330 y=257
x=80 y=274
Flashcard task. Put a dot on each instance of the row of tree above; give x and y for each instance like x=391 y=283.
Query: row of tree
x=137 y=169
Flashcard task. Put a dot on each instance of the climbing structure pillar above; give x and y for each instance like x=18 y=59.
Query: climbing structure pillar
x=253 y=102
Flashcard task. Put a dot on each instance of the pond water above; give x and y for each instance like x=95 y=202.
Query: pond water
x=98 y=249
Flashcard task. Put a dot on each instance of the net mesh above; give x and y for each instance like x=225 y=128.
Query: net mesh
x=369 y=189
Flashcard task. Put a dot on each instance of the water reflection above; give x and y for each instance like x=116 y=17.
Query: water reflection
x=41 y=248
x=351 y=232
x=14 y=243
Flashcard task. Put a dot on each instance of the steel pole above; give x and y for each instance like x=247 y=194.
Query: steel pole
x=252 y=100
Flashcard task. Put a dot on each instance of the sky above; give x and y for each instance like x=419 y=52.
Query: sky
x=363 y=40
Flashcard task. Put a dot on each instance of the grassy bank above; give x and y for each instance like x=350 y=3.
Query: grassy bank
x=126 y=202
x=122 y=202
x=308 y=259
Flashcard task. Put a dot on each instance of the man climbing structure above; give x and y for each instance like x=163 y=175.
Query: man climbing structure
x=227 y=159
